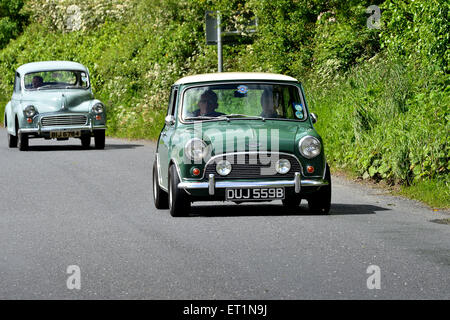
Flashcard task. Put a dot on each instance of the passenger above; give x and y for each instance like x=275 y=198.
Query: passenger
x=267 y=104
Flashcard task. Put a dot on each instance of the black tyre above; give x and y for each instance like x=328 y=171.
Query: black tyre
x=99 y=137
x=320 y=201
x=85 y=142
x=22 y=141
x=292 y=201
x=160 y=197
x=179 y=204
x=12 y=141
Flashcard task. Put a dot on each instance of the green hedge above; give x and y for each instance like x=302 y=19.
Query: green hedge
x=381 y=122
x=382 y=95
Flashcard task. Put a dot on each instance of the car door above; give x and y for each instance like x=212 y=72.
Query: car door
x=15 y=102
x=165 y=139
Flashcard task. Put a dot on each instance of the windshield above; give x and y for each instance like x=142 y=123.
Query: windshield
x=243 y=100
x=59 y=79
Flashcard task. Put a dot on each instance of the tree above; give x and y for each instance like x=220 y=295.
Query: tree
x=12 y=20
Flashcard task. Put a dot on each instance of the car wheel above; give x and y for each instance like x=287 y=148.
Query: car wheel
x=12 y=140
x=85 y=142
x=22 y=141
x=320 y=201
x=179 y=204
x=160 y=197
x=292 y=201
x=99 y=137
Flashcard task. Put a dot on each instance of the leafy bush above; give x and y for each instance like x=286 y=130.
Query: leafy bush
x=382 y=95
x=418 y=27
x=12 y=20
x=73 y=15
x=381 y=122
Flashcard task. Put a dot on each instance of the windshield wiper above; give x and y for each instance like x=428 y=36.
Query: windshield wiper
x=225 y=117
x=51 y=86
x=73 y=87
x=200 y=118
x=238 y=115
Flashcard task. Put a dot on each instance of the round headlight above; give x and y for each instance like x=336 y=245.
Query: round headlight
x=309 y=147
x=98 y=108
x=283 y=166
x=29 y=111
x=223 y=167
x=195 y=149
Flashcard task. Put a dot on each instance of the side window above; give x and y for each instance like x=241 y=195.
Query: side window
x=17 y=83
x=172 y=101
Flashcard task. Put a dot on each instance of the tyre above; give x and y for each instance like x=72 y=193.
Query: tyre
x=22 y=141
x=12 y=140
x=291 y=201
x=99 y=138
x=320 y=201
x=85 y=142
x=179 y=204
x=160 y=197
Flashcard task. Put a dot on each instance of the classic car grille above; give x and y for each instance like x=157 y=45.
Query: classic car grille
x=64 y=120
x=244 y=167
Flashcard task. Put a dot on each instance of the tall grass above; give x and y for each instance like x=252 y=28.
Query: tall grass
x=385 y=121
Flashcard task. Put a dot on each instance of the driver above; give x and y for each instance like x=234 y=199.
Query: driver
x=37 y=82
x=207 y=105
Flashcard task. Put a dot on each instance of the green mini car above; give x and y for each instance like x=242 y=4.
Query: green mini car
x=54 y=100
x=239 y=137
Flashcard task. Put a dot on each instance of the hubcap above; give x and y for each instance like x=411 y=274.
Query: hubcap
x=170 y=194
x=154 y=185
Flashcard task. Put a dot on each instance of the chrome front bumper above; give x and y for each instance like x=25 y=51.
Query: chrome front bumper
x=212 y=185
x=39 y=130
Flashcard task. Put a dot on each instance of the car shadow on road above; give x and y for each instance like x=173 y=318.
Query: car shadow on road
x=122 y=146
x=345 y=208
x=231 y=210
x=68 y=147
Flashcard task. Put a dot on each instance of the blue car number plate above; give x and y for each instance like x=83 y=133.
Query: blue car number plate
x=248 y=194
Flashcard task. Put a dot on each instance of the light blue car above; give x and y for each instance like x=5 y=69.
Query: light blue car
x=54 y=100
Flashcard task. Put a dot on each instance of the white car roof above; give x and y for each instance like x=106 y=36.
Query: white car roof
x=50 y=66
x=229 y=76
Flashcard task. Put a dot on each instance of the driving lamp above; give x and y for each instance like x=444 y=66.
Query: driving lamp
x=283 y=166
x=223 y=167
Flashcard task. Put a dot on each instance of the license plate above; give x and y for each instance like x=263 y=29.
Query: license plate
x=247 y=194
x=65 y=134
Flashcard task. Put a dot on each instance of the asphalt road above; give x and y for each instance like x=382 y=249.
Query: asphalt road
x=63 y=206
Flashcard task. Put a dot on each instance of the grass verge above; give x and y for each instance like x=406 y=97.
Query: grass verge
x=433 y=192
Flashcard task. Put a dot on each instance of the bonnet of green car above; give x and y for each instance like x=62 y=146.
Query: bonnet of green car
x=74 y=100
x=246 y=135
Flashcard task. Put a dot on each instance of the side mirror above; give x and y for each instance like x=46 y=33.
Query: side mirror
x=313 y=117
x=170 y=120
